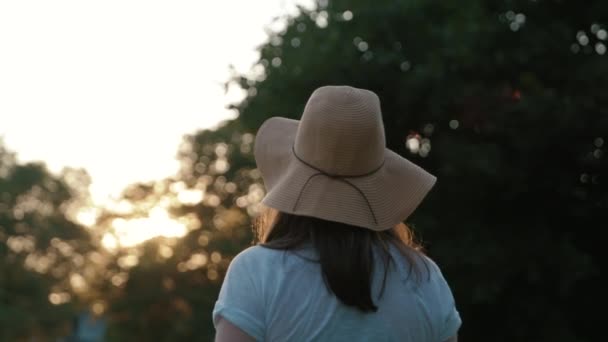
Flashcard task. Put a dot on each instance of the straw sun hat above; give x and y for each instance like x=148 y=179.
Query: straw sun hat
x=333 y=164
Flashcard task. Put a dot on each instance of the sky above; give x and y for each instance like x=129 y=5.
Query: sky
x=112 y=86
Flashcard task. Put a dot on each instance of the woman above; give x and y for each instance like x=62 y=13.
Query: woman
x=335 y=262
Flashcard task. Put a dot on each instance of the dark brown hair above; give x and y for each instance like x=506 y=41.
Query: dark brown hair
x=346 y=252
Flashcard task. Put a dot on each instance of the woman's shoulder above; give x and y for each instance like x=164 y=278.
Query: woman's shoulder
x=414 y=265
x=255 y=254
x=259 y=260
x=261 y=252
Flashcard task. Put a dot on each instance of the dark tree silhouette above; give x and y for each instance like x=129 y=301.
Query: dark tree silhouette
x=42 y=251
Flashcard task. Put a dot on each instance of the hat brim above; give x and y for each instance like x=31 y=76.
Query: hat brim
x=387 y=197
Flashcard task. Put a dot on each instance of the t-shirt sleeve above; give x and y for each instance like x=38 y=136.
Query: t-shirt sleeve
x=240 y=299
x=449 y=320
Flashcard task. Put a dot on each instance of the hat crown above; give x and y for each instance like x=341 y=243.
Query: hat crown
x=341 y=132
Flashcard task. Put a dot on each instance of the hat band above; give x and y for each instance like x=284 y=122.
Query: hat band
x=336 y=177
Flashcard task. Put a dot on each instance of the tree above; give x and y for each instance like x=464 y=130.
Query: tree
x=502 y=100
x=510 y=96
x=42 y=251
x=170 y=291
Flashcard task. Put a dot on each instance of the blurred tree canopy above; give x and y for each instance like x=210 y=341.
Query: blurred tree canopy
x=170 y=292
x=43 y=253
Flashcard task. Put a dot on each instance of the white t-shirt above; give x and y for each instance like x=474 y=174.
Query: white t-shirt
x=276 y=295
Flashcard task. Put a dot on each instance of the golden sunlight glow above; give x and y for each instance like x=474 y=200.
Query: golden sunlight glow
x=39 y=263
x=77 y=281
x=128 y=261
x=109 y=242
x=128 y=233
x=119 y=279
x=87 y=216
x=176 y=46
x=190 y=197
x=20 y=244
x=212 y=200
x=197 y=260
x=165 y=251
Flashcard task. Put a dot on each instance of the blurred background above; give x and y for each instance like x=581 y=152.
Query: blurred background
x=127 y=181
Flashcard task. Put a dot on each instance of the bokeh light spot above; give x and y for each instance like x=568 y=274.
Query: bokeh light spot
x=119 y=279
x=582 y=38
x=109 y=241
x=203 y=240
x=190 y=196
x=128 y=261
x=597 y=153
x=87 y=216
x=197 y=260
x=216 y=257
x=165 y=251
x=347 y=15
x=58 y=298
x=78 y=282
x=322 y=19
x=362 y=46
x=454 y=124
x=412 y=144
x=98 y=308
x=212 y=274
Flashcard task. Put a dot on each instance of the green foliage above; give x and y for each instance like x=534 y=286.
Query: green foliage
x=39 y=248
x=510 y=96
